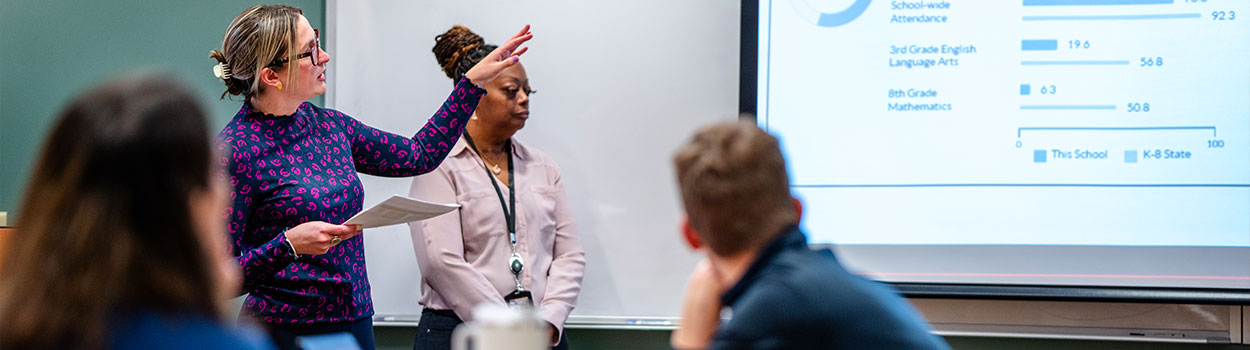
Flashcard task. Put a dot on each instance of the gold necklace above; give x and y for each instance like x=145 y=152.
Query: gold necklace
x=494 y=167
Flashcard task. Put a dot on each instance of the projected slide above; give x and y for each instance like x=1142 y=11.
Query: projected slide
x=1024 y=122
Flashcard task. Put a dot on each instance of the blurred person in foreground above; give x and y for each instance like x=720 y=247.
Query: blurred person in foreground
x=121 y=242
x=782 y=295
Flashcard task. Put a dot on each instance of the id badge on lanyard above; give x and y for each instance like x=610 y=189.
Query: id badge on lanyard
x=519 y=297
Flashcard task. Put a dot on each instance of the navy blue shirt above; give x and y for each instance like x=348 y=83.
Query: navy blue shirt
x=795 y=298
x=153 y=331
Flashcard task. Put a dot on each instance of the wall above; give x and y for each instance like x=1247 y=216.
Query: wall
x=53 y=49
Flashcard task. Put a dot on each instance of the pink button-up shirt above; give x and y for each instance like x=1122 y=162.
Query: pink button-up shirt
x=464 y=254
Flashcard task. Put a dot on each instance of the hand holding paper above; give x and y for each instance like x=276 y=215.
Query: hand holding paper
x=399 y=210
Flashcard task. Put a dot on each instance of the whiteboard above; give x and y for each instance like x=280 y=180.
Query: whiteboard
x=621 y=86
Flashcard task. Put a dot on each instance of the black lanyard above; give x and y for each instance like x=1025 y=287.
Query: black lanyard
x=509 y=208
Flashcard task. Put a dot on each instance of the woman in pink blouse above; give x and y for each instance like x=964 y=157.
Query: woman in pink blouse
x=512 y=241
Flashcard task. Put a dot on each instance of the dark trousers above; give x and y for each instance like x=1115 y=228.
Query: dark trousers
x=284 y=335
x=434 y=331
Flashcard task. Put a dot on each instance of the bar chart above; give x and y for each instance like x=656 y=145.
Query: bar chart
x=982 y=87
x=1130 y=117
x=1014 y=124
x=1132 y=82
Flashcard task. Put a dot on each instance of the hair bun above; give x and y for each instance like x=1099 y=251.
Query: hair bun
x=451 y=46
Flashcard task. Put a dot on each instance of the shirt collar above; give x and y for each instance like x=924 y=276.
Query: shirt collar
x=295 y=121
x=462 y=146
x=790 y=238
x=249 y=109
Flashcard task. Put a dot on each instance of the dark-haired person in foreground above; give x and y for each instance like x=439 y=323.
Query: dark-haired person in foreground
x=782 y=294
x=121 y=243
x=502 y=186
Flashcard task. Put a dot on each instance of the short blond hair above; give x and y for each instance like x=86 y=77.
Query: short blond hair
x=734 y=186
x=255 y=38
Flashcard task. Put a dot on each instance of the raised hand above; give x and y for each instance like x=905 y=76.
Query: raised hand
x=503 y=57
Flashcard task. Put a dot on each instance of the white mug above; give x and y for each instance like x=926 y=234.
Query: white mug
x=497 y=327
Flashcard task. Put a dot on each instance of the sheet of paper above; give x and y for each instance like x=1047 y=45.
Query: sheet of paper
x=399 y=210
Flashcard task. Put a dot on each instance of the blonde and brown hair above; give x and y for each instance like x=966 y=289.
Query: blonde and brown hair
x=734 y=186
x=256 y=38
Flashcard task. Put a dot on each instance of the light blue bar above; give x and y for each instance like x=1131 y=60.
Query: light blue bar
x=1024 y=89
x=1094 y=2
x=1075 y=63
x=1113 y=17
x=1039 y=45
x=1021 y=130
x=1039 y=156
x=1066 y=107
x=1130 y=156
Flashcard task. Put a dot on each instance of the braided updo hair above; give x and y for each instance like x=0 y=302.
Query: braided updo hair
x=459 y=49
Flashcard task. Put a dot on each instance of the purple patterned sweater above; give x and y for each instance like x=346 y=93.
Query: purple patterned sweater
x=288 y=170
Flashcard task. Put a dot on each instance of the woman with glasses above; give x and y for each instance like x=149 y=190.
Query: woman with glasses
x=294 y=169
x=513 y=241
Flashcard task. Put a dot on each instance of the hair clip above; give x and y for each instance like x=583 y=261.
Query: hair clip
x=222 y=71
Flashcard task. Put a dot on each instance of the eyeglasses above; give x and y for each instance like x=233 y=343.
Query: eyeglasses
x=314 y=55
